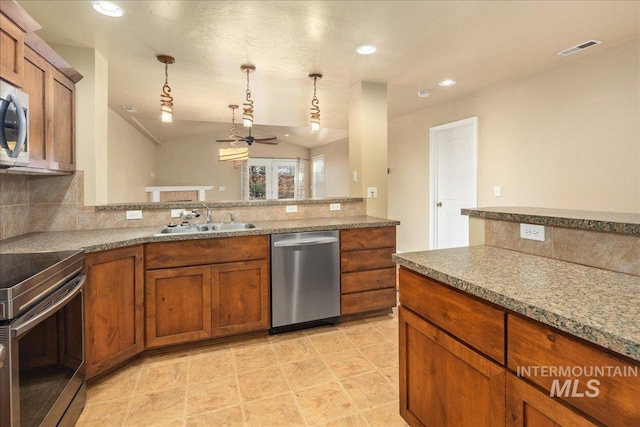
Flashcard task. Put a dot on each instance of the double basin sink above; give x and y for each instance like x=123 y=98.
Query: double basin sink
x=204 y=228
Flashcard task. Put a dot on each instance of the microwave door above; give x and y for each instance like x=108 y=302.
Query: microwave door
x=14 y=126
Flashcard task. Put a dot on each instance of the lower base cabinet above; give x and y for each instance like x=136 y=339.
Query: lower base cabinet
x=443 y=382
x=188 y=304
x=113 y=308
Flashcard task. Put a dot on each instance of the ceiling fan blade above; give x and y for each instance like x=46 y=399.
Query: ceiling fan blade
x=270 y=141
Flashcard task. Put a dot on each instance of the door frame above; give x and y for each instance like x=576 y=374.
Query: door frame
x=433 y=170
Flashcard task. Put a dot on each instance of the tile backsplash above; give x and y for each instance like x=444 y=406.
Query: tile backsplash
x=56 y=203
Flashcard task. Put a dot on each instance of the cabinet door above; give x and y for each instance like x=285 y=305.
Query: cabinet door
x=240 y=297
x=529 y=407
x=12 y=48
x=114 y=308
x=36 y=78
x=443 y=382
x=178 y=305
x=61 y=132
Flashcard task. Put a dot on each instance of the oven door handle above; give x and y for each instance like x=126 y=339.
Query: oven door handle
x=76 y=284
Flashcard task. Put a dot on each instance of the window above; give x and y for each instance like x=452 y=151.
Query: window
x=273 y=179
x=317 y=177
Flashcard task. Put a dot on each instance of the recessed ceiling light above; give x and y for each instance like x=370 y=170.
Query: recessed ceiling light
x=423 y=93
x=107 y=8
x=129 y=109
x=447 y=82
x=286 y=134
x=366 y=49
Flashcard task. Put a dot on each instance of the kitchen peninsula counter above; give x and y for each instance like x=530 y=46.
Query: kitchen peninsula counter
x=599 y=306
x=105 y=239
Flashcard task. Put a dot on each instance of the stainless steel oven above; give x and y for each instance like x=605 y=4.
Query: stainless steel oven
x=42 y=377
x=14 y=126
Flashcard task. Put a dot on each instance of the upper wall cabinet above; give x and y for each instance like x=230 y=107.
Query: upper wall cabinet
x=28 y=62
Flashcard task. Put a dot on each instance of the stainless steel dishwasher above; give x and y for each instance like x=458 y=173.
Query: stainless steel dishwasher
x=305 y=279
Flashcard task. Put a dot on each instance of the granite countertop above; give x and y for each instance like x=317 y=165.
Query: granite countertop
x=600 y=306
x=104 y=239
x=612 y=222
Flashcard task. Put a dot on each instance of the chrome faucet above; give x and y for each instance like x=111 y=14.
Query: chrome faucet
x=231 y=217
x=207 y=214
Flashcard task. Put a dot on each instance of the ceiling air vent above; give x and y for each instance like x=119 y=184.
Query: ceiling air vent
x=578 y=48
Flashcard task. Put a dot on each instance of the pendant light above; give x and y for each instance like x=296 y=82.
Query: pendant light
x=315 y=105
x=166 y=100
x=235 y=154
x=247 y=105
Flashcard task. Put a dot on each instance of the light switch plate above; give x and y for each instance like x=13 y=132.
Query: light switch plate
x=291 y=208
x=133 y=214
x=221 y=188
x=532 y=232
x=334 y=206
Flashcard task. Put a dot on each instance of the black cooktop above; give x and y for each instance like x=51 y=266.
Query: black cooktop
x=16 y=268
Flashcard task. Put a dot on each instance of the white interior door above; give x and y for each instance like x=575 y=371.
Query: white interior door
x=453 y=181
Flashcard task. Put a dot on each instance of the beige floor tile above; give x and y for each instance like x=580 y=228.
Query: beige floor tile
x=158 y=377
x=211 y=349
x=164 y=406
x=208 y=366
x=365 y=335
x=348 y=363
x=212 y=395
x=287 y=336
x=331 y=342
x=307 y=373
x=321 y=329
x=382 y=355
x=105 y=414
x=350 y=421
x=324 y=402
x=227 y=417
x=389 y=329
x=118 y=385
x=370 y=390
x=392 y=374
x=280 y=411
x=262 y=383
x=255 y=357
x=294 y=350
x=387 y=416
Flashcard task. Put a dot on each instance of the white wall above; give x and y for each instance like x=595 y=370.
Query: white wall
x=131 y=162
x=566 y=137
x=336 y=166
x=194 y=161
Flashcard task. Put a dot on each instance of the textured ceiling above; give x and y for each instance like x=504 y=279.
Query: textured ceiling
x=477 y=43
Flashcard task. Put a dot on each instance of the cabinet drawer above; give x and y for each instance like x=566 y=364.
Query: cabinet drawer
x=476 y=323
x=368 y=280
x=361 y=302
x=614 y=401
x=367 y=238
x=206 y=251
x=372 y=259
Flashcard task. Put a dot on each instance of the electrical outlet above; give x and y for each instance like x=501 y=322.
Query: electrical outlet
x=532 y=232
x=372 y=192
x=133 y=214
x=497 y=191
x=175 y=213
x=221 y=188
x=334 y=206
x=291 y=208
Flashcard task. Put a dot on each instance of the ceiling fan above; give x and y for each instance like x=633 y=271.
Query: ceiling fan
x=250 y=139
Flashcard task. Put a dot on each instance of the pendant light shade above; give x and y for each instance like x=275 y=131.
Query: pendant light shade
x=247 y=105
x=234 y=154
x=166 y=100
x=315 y=105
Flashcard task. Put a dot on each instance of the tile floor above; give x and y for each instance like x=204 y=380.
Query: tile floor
x=344 y=375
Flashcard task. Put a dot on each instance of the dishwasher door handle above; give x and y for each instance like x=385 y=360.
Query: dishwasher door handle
x=304 y=242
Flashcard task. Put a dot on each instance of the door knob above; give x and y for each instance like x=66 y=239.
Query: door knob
x=439 y=204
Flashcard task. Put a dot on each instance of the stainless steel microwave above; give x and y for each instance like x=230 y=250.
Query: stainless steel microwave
x=14 y=118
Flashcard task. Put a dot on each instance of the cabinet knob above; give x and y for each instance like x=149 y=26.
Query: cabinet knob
x=439 y=204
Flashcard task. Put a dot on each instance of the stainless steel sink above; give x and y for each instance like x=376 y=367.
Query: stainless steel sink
x=204 y=228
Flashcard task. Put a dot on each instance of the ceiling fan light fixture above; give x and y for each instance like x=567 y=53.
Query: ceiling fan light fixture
x=247 y=105
x=108 y=9
x=315 y=105
x=166 y=100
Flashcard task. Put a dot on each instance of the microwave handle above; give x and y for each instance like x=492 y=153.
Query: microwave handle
x=22 y=126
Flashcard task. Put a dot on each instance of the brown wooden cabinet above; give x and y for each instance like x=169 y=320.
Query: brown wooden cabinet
x=51 y=114
x=206 y=288
x=114 y=310
x=443 y=382
x=12 y=48
x=368 y=274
